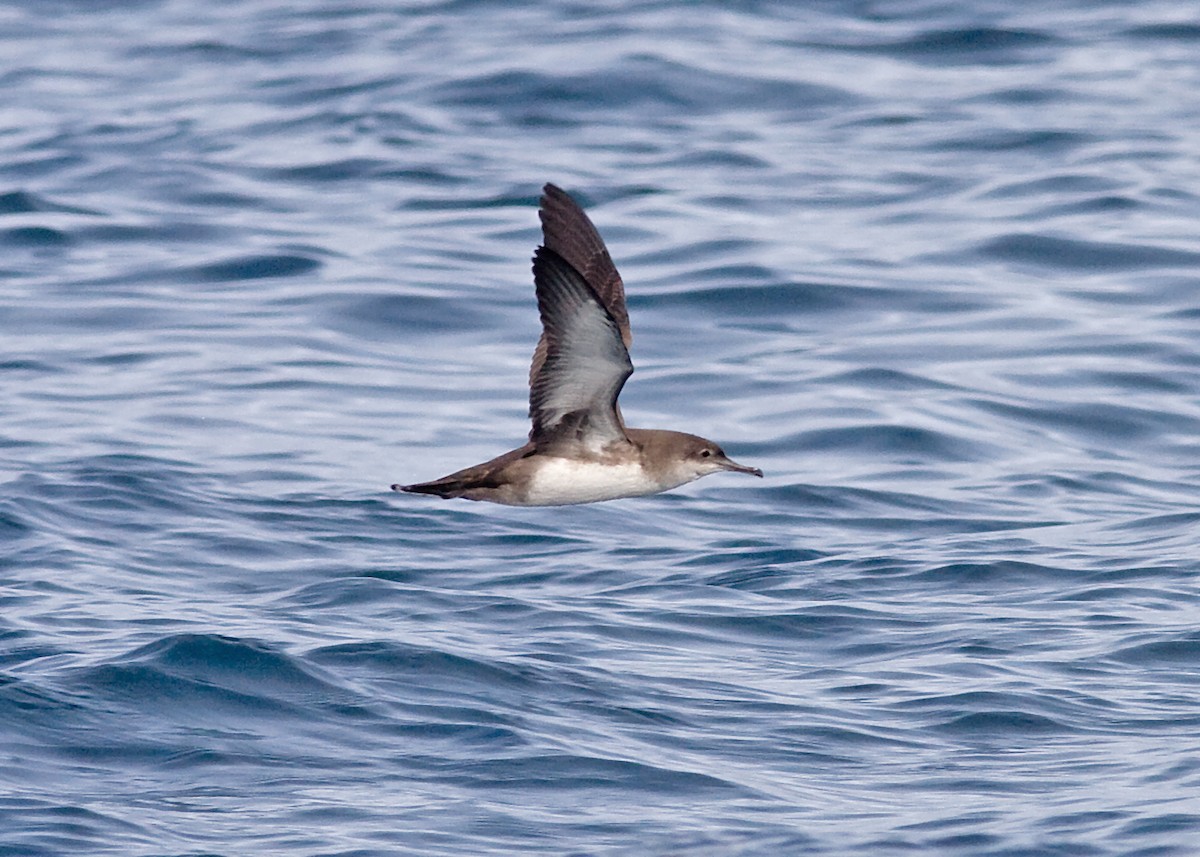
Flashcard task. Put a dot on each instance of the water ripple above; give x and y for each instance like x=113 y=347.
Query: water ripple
x=931 y=267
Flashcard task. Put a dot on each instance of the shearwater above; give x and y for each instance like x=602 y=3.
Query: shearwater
x=579 y=449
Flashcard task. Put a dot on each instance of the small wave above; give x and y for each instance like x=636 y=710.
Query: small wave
x=26 y=202
x=1079 y=255
x=903 y=442
x=1182 y=651
x=966 y=45
x=35 y=237
x=250 y=268
x=995 y=725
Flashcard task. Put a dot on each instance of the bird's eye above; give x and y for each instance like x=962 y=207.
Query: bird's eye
x=705 y=453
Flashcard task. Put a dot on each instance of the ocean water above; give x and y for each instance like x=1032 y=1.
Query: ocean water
x=934 y=267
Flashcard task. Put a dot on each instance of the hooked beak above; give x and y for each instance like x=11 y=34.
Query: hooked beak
x=730 y=464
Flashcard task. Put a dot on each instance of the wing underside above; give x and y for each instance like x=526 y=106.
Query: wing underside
x=573 y=393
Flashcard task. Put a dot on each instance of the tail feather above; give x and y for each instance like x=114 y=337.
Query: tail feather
x=445 y=488
x=473 y=483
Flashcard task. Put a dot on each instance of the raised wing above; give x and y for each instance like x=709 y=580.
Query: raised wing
x=573 y=392
x=567 y=231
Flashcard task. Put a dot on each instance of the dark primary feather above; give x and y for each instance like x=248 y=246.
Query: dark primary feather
x=568 y=231
x=586 y=364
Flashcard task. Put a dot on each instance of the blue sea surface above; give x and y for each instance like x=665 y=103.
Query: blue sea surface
x=934 y=267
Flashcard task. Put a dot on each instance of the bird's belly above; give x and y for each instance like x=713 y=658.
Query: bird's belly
x=565 y=481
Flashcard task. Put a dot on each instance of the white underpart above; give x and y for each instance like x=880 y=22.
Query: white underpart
x=565 y=481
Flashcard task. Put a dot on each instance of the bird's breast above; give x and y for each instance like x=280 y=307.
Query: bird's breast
x=566 y=481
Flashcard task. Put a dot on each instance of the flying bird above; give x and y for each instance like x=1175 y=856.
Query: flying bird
x=579 y=449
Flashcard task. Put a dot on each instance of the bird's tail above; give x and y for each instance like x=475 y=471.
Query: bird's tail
x=445 y=488
x=439 y=487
